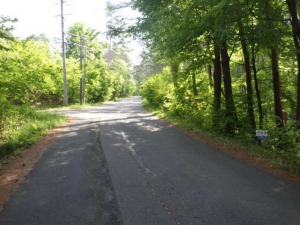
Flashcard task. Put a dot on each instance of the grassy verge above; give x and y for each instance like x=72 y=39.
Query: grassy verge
x=183 y=123
x=70 y=106
x=20 y=127
x=277 y=153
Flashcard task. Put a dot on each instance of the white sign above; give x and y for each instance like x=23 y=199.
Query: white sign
x=261 y=134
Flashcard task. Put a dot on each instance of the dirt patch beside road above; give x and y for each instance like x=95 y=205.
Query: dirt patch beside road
x=15 y=172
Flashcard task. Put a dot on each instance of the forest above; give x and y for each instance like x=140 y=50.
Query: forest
x=229 y=67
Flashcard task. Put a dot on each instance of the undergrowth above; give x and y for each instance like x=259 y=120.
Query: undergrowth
x=280 y=149
x=70 y=106
x=21 y=126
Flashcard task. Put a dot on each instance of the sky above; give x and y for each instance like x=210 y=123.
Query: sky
x=41 y=16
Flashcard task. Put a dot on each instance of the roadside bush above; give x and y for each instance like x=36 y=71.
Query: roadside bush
x=282 y=146
x=155 y=90
x=21 y=126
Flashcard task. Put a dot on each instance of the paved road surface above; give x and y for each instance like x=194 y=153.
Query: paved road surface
x=118 y=164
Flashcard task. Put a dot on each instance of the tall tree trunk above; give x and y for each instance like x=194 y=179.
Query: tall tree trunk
x=298 y=85
x=259 y=104
x=248 y=76
x=276 y=88
x=174 y=70
x=217 y=86
x=194 y=84
x=295 y=21
x=217 y=79
x=209 y=69
x=194 y=81
x=275 y=74
x=229 y=103
x=296 y=33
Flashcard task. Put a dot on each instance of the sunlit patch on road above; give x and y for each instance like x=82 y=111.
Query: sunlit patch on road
x=134 y=154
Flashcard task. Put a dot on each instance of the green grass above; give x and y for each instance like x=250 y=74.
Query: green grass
x=21 y=127
x=70 y=106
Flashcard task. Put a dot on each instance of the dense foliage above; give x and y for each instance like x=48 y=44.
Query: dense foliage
x=234 y=67
x=31 y=74
x=23 y=126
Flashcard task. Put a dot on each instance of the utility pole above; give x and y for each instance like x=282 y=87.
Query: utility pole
x=83 y=82
x=109 y=51
x=81 y=95
x=82 y=79
x=64 y=53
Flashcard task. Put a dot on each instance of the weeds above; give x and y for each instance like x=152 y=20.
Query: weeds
x=70 y=106
x=21 y=126
x=280 y=149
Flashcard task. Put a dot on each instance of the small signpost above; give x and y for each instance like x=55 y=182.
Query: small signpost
x=261 y=135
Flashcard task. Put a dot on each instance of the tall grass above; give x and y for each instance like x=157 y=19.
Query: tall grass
x=21 y=126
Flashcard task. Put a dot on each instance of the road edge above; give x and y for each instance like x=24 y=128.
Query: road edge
x=12 y=174
x=236 y=152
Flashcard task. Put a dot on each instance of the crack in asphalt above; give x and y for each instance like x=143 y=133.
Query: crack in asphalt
x=134 y=154
x=143 y=170
x=169 y=188
x=96 y=153
x=103 y=192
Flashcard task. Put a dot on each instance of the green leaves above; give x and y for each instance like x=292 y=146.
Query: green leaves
x=5 y=32
x=27 y=71
x=78 y=35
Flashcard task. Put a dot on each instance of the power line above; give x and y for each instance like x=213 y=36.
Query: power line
x=77 y=36
x=86 y=47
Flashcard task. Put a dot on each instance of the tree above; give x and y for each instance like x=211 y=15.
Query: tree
x=29 y=72
x=79 y=35
x=272 y=11
x=5 y=31
x=41 y=37
x=245 y=48
x=293 y=7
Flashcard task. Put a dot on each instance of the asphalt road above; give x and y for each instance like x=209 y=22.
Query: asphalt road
x=118 y=164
